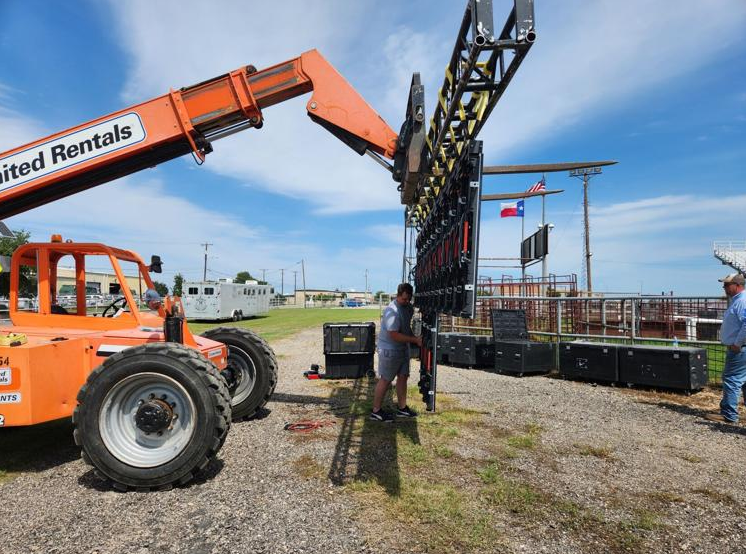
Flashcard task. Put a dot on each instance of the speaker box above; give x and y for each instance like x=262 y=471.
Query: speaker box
x=592 y=361
x=663 y=366
x=509 y=324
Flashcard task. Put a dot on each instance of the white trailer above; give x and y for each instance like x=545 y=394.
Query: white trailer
x=214 y=300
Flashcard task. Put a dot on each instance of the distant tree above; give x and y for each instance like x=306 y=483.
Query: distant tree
x=379 y=295
x=161 y=288
x=178 y=284
x=243 y=276
x=27 y=280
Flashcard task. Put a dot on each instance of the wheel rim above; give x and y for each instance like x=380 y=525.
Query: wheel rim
x=120 y=433
x=242 y=365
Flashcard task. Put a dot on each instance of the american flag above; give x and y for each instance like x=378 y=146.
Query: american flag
x=541 y=185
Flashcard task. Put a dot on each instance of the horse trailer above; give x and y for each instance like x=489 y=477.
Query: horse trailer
x=221 y=300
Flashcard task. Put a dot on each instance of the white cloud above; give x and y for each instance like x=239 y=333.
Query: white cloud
x=290 y=155
x=17 y=129
x=387 y=233
x=592 y=58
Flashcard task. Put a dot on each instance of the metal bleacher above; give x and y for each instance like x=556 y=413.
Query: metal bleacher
x=732 y=253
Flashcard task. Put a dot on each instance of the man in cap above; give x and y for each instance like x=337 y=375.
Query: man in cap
x=733 y=335
x=152 y=299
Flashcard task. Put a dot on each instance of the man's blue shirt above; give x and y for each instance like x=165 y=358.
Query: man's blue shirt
x=733 y=330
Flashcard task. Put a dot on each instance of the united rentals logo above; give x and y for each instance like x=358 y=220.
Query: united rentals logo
x=69 y=150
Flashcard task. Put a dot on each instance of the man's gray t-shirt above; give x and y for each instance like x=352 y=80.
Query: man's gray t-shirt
x=395 y=318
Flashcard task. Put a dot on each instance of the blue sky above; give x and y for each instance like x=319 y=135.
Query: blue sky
x=660 y=87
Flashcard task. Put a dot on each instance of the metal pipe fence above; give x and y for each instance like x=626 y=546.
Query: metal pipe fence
x=663 y=320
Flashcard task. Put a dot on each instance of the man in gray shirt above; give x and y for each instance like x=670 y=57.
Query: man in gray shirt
x=393 y=353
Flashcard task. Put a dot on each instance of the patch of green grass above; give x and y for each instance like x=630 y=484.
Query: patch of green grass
x=717 y=496
x=443 y=451
x=414 y=454
x=281 y=323
x=445 y=517
x=666 y=497
x=602 y=452
x=308 y=467
x=524 y=442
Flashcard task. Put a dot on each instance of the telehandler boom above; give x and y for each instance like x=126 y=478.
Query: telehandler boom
x=151 y=403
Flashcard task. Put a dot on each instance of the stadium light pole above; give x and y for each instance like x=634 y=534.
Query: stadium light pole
x=586 y=174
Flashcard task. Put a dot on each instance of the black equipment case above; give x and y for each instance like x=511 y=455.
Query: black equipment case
x=521 y=357
x=348 y=349
x=592 y=361
x=514 y=353
x=445 y=352
x=472 y=350
x=663 y=366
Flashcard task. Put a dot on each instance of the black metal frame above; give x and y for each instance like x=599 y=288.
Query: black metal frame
x=440 y=172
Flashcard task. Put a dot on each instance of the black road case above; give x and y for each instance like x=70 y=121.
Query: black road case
x=473 y=350
x=514 y=353
x=348 y=349
x=521 y=357
x=663 y=366
x=445 y=354
x=592 y=361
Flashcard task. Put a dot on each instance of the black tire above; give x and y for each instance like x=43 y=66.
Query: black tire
x=116 y=445
x=251 y=357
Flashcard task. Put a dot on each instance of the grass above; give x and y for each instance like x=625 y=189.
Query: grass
x=451 y=485
x=602 y=452
x=282 y=323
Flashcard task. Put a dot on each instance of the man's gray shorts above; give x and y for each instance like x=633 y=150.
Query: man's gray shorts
x=392 y=363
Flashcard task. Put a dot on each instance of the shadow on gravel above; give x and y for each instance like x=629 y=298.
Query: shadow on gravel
x=367 y=450
x=37 y=447
x=728 y=428
x=298 y=399
x=90 y=481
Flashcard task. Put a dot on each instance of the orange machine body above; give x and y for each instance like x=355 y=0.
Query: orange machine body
x=41 y=374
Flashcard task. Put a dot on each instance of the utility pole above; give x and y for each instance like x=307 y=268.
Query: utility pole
x=295 y=286
x=264 y=275
x=303 y=270
x=204 y=274
x=282 y=282
x=366 y=285
x=586 y=174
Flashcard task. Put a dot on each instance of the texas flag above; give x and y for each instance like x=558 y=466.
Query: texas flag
x=511 y=209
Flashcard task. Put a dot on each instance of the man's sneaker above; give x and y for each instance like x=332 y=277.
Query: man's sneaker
x=406 y=411
x=381 y=415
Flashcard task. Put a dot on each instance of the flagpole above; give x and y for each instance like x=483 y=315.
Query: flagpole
x=544 y=275
x=523 y=262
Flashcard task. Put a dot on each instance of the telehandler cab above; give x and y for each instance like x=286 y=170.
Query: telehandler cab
x=151 y=403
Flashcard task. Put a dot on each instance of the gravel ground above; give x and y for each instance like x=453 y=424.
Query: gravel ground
x=274 y=491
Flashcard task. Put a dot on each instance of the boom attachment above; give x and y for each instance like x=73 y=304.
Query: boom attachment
x=184 y=121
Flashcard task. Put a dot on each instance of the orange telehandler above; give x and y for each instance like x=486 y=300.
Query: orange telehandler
x=151 y=403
